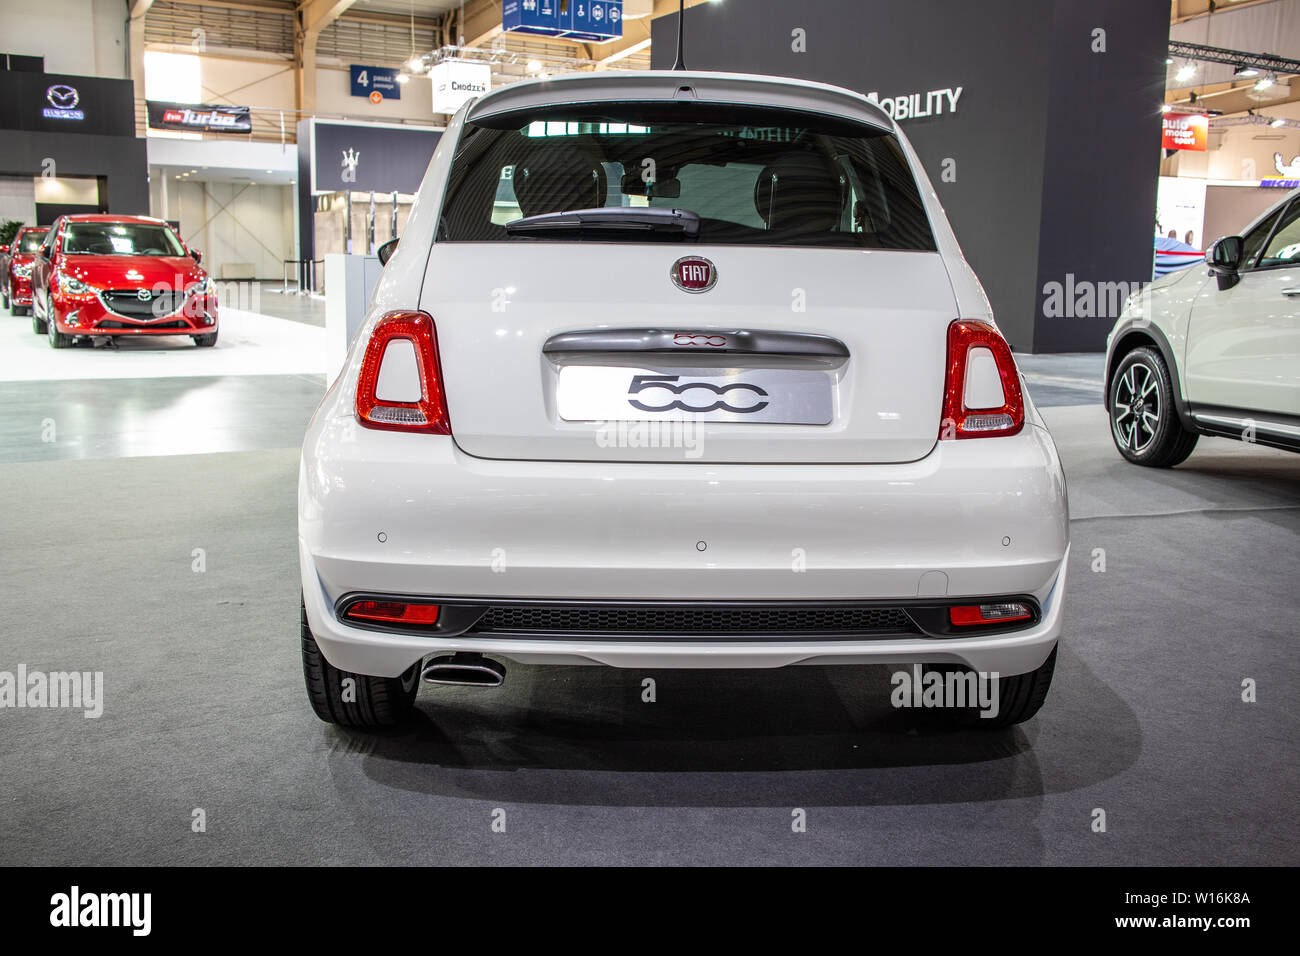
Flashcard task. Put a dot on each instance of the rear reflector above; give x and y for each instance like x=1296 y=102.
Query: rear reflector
x=393 y=612
x=967 y=615
x=982 y=397
x=400 y=385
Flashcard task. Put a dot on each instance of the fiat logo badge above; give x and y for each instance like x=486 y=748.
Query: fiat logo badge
x=694 y=274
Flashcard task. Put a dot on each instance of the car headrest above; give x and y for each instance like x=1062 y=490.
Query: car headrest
x=801 y=189
x=670 y=187
x=558 y=178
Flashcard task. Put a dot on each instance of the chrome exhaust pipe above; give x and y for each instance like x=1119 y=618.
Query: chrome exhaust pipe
x=464 y=670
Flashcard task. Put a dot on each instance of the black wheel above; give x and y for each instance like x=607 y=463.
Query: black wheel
x=1019 y=696
x=206 y=341
x=57 y=339
x=38 y=324
x=21 y=310
x=1143 y=421
x=354 y=700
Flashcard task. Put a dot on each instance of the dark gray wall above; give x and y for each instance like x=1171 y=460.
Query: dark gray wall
x=103 y=143
x=122 y=160
x=1055 y=149
x=1102 y=161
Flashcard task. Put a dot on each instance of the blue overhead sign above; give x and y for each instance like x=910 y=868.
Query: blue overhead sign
x=367 y=80
x=594 y=21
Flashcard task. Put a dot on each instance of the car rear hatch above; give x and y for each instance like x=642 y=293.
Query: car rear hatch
x=751 y=284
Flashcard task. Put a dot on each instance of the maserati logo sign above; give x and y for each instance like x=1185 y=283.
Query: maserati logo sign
x=694 y=274
x=63 y=102
x=350 y=160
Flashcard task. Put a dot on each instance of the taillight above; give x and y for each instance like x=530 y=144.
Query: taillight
x=972 y=614
x=393 y=612
x=982 y=390
x=400 y=386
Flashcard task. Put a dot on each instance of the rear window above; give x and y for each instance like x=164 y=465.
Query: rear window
x=791 y=184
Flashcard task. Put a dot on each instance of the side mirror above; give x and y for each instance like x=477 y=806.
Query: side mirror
x=1224 y=260
x=385 y=252
x=196 y=255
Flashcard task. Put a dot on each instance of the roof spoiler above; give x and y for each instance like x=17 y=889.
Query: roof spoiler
x=720 y=89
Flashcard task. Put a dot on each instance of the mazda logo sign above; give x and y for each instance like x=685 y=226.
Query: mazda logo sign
x=694 y=274
x=62 y=97
x=144 y=295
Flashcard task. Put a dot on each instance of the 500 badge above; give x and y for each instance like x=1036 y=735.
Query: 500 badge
x=718 y=393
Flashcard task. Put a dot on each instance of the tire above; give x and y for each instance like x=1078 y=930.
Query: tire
x=206 y=341
x=379 y=701
x=57 y=339
x=4 y=297
x=38 y=324
x=1156 y=439
x=1019 y=697
x=21 y=310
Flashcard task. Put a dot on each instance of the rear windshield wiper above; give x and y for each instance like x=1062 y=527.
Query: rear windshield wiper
x=605 y=220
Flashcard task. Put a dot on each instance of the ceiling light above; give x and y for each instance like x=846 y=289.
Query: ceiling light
x=1264 y=82
x=1185 y=72
x=1169 y=61
x=1277 y=123
x=534 y=66
x=415 y=64
x=1165 y=107
x=1245 y=72
x=403 y=78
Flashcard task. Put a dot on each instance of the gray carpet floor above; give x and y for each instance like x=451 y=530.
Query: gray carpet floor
x=204 y=705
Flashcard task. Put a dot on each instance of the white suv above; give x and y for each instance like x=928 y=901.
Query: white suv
x=1213 y=352
x=677 y=370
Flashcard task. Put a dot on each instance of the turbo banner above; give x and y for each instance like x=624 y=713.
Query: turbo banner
x=198 y=118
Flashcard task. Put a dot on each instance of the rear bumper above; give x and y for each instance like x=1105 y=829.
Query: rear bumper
x=976 y=519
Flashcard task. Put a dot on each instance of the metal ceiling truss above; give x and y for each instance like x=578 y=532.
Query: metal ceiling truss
x=1264 y=62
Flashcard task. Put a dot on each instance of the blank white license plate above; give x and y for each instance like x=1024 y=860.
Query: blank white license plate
x=769 y=396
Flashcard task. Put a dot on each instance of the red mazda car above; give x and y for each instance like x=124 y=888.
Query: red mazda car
x=16 y=268
x=105 y=275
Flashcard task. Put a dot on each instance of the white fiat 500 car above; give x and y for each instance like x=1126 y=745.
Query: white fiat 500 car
x=1213 y=352
x=676 y=370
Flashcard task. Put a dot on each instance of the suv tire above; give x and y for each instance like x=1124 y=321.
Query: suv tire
x=1144 y=423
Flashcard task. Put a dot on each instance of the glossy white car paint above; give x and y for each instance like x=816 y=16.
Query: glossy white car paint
x=520 y=504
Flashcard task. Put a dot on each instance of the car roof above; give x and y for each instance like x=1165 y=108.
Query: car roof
x=110 y=217
x=729 y=89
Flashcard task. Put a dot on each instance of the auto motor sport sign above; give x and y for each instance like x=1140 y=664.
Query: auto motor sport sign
x=197 y=118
